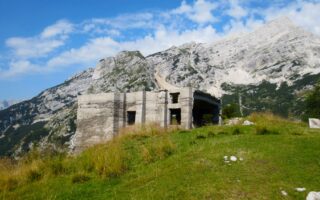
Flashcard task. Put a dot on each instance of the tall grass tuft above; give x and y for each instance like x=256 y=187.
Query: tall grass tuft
x=107 y=160
x=157 y=149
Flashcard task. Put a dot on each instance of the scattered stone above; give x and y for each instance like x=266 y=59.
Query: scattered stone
x=233 y=158
x=225 y=158
x=314 y=123
x=284 y=193
x=234 y=121
x=300 y=189
x=247 y=123
x=241 y=159
x=313 y=196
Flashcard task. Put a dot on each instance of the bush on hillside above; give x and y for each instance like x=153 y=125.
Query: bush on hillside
x=313 y=103
x=230 y=111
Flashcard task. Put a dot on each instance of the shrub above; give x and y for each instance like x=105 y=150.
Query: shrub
x=313 y=102
x=230 y=111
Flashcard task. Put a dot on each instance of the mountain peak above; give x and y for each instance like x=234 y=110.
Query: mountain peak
x=281 y=22
x=123 y=54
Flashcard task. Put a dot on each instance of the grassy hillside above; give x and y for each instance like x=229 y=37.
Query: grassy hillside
x=151 y=163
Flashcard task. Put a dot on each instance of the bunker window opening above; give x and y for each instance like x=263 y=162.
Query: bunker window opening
x=131 y=117
x=174 y=97
x=175 y=116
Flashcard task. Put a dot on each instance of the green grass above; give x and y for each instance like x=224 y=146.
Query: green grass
x=179 y=164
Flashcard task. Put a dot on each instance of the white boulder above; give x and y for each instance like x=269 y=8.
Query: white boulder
x=313 y=196
x=233 y=158
x=300 y=189
x=284 y=193
x=247 y=123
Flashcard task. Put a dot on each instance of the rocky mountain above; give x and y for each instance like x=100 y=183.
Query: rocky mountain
x=278 y=52
x=268 y=69
x=127 y=71
x=23 y=124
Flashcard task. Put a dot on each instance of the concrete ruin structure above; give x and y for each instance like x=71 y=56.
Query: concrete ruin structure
x=100 y=116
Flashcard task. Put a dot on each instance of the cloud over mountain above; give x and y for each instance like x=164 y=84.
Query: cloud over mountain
x=79 y=45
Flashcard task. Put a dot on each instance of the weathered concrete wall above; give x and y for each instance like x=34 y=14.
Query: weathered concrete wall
x=95 y=121
x=101 y=116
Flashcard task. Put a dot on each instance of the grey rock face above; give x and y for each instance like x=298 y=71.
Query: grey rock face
x=18 y=122
x=278 y=52
x=127 y=71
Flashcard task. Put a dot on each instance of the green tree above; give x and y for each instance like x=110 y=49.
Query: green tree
x=313 y=102
x=230 y=110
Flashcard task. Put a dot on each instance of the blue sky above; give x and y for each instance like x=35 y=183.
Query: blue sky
x=44 y=42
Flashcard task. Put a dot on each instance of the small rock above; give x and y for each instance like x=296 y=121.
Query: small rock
x=226 y=161
x=284 y=193
x=233 y=158
x=241 y=159
x=313 y=196
x=234 y=121
x=300 y=189
x=247 y=123
x=225 y=157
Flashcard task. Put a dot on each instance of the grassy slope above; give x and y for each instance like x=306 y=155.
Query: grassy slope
x=189 y=165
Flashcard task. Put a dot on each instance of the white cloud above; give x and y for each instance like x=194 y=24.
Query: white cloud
x=33 y=47
x=236 y=10
x=61 y=27
x=200 y=12
x=51 y=38
x=87 y=54
x=101 y=47
x=19 y=67
x=303 y=13
x=126 y=21
x=161 y=30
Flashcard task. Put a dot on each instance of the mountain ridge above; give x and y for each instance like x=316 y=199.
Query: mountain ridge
x=276 y=57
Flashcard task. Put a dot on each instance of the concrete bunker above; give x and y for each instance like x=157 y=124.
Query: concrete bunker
x=100 y=116
x=205 y=109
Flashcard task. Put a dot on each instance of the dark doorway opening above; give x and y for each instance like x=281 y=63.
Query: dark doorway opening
x=131 y=117
x=204 y=113
x=174 y=97
x=175 y=116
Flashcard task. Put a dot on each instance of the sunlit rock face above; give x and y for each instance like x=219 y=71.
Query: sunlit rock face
x=277 y=52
